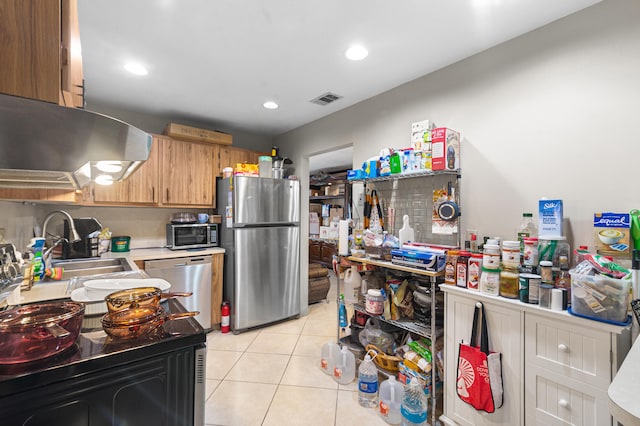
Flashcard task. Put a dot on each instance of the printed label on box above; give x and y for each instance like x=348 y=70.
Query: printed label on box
x=612 y=233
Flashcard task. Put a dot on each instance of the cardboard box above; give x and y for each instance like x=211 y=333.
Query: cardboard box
x=246 y=169
x=550 y=216
x=180 y=131
x=445 y=149
x=324 y=232
x=611 y=236
x=314 y=223
x=335 y=212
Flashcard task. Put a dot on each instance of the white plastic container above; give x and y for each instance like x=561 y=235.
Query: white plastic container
x=511 y=254
x=352 y=284
x=390 y=394
x=344 y=370
x=328 y=356
x=490 y=281
x=491 y=256
x=375 y=302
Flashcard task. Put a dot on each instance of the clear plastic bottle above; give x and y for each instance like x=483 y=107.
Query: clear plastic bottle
x=328 y=356
x=368 y=383
x=414 y=405
x=344 y=370
x=390 y=395
x=527 y=228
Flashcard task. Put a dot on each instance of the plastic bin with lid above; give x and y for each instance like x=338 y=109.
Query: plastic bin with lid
x=600 y=297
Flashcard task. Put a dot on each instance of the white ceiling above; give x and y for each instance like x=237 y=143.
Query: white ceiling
x=217 y=61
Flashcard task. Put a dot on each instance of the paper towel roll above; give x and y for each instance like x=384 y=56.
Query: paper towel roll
x=343 y=238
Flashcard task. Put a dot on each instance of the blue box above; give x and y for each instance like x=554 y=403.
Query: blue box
x=433 y=262
x=355 y=174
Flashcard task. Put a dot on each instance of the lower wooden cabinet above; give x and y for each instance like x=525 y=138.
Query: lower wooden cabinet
x=556 y=367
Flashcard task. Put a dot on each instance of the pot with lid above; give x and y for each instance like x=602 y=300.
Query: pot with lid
x=38 y=331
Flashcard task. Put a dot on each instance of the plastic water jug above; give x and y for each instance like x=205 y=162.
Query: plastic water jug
x=344 y=370
x=352 y=284
x=391 y=392
x=328 y=356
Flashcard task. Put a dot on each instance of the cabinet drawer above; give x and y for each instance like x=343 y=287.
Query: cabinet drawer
x=553 y=400
x=576 y=352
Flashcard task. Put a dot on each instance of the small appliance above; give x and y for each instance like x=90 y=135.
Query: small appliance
x=191 y=235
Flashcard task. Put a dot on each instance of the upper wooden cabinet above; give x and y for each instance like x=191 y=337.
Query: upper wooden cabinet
x=141 y=187
x=229 y=157
x=40 y=51
x=186 y=177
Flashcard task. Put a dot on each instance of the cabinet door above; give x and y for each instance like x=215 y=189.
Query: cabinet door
x=186 y=173
x=327 y=250
x=139 y=188
x=71 y=62
x=314 y=250
x=505 y=330
x=216 y=287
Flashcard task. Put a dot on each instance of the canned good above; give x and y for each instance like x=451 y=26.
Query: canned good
x=529 y=288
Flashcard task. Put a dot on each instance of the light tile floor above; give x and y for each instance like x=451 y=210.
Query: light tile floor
x=271 y=376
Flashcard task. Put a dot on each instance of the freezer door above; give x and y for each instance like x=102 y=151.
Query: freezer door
x=261 y=201
x=266 y=271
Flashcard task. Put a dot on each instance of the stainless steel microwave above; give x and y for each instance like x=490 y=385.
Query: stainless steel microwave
x=192 y=235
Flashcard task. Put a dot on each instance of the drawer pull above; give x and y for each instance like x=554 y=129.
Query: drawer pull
x=563 y=348
x=563 y=403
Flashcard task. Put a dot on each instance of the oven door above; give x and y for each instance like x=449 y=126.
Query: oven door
x=190 y=236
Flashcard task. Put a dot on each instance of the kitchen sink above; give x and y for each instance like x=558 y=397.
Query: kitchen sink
x=86 y=267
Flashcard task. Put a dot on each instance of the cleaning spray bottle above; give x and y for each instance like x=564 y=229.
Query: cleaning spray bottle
x=342 y=313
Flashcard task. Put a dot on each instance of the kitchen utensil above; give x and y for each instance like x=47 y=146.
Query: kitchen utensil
x=449 y=210
x=134 y=330
x=141 y=297
x=183 y=217
x=37 y=331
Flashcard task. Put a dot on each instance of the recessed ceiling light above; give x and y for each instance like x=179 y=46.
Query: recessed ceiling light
x=109 y=166
x=356 y=53
x=136 y=68
x=270 y=105
x=104 y=180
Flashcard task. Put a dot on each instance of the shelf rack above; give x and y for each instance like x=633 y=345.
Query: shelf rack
x=412 y=326
x=411 y=175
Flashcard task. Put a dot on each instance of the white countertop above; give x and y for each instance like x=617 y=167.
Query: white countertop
x=624 y=391
x=58 y=289
x=162 y=253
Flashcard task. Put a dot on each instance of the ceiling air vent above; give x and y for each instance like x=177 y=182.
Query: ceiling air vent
x=325 y=99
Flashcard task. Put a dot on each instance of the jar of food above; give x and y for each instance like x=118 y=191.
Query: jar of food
x=490 y=281
x=462 y=268
x=474 y=271
x=509 y=282
x=450 y=267
x=374 y=302
x=546 y=271
x=511 y=254
x=530 y=256
x=491 y=257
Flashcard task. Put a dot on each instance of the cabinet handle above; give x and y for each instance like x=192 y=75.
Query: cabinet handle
x=563 y=403
x=563 y=347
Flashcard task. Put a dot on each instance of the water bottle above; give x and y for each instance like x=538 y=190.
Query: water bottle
x=344 y=370
x=328 y=356
x=368 y=383
x=391 y=392
x=414 y=405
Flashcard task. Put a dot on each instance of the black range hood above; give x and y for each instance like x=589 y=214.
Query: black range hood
x=44 y=145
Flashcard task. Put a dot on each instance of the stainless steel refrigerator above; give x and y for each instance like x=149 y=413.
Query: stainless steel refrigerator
x=261 y=237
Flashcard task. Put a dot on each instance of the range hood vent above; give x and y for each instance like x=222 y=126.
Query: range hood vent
x=44 y=145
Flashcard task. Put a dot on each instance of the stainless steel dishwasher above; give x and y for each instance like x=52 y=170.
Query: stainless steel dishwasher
x=191 y=274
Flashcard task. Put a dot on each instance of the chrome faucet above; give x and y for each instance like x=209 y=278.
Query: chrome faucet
x=72 y=227
x=59 y=240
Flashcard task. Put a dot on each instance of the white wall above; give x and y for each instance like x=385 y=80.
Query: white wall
x=551 y=113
